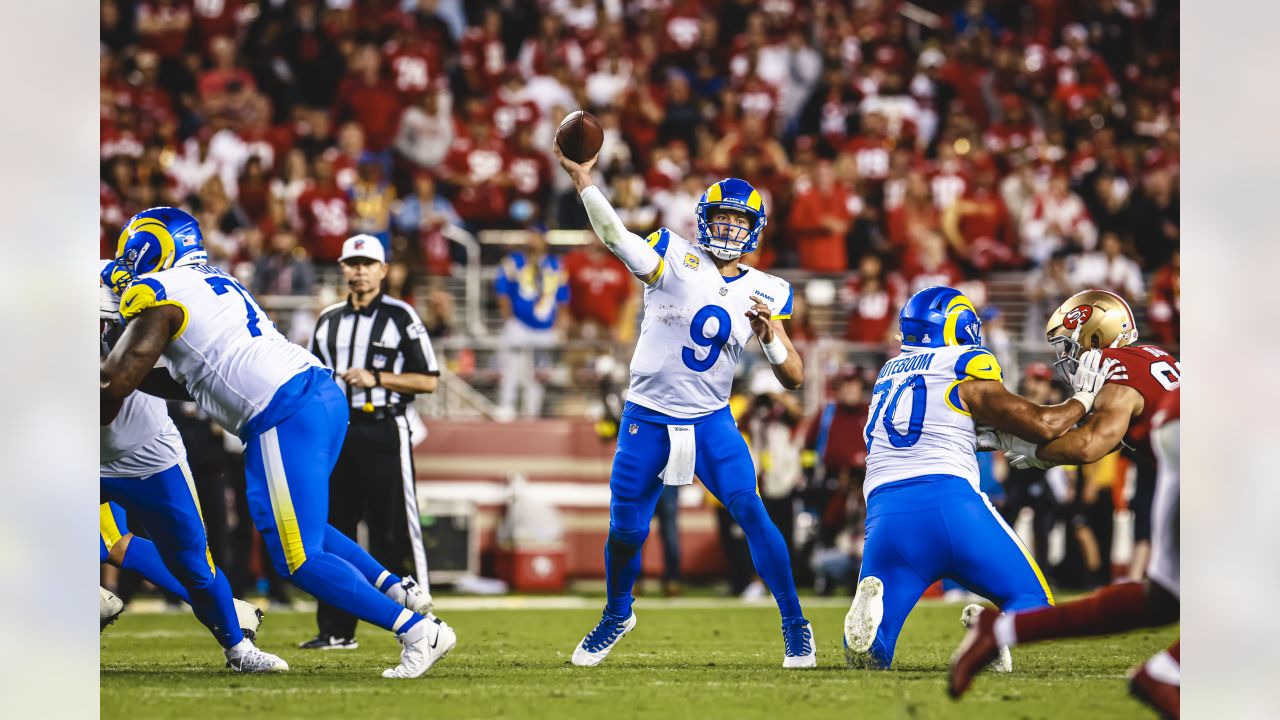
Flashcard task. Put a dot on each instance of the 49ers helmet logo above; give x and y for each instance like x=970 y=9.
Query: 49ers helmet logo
x=1078 y=316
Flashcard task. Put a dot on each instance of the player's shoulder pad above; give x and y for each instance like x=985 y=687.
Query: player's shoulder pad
x=978 y=363
x=147 y=292
x=776 y=292
x=659 y=240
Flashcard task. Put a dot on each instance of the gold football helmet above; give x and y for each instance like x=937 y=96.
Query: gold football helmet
x=1088 y=320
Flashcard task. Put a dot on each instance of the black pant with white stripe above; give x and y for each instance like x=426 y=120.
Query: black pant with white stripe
x=374 y=481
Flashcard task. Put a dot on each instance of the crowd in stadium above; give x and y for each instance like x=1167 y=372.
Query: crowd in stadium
x=912 y=144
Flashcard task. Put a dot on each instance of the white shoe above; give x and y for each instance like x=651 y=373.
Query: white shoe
x=1004 y=661
x=109 y=607
x=425 y=644
x=250 y=618
x=411 y=595
x=799 y=648
x=598 y=643
x=861 y=623
x=753 y=592
x=245 y=657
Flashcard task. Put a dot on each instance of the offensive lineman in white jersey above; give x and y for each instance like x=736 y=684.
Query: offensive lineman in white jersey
x=926 y=518
x=701 y=309
x=143 y=466
x=284 y=406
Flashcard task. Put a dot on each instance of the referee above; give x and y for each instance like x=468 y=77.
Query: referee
x=381 y=356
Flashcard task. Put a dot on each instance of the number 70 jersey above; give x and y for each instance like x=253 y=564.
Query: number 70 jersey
x=227 y=352
x=917 y=426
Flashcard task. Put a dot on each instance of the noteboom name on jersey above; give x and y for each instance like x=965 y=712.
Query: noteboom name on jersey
x=906 y=364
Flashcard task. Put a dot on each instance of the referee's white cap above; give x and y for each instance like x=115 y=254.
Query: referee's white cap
x=363 y=246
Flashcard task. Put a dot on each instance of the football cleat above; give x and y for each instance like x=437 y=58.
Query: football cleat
x=861 y=623
x=424 y=644
x=244 y=657
x=598 y=643
x=329 y=642
x=978 y=651
x=1004 y=660
x=798 y=646
x=109 y=607
x=250 y=618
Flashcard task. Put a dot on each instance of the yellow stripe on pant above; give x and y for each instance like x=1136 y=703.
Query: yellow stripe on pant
x=281 y=501
x=191 y=486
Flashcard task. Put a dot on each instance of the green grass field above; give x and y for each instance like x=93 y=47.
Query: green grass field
x=699 y=659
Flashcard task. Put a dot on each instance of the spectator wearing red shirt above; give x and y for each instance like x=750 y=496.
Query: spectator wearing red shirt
x=872 y=301
x=325 y=211
x=369 y=99
x=218 y=18
x=916 y=217
x=930 y=265
x=483 y=56
x=415 y=63
x=819 y=221
x=476 y=166
x=215 y=82
x=163 y=26
x=530 y=173
x=599 y=288
x=1165 y=309
x=979 y=227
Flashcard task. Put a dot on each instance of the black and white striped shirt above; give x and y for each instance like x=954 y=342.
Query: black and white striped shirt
x=386 y=335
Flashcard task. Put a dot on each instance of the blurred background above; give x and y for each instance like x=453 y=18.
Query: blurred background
x=1020 y=151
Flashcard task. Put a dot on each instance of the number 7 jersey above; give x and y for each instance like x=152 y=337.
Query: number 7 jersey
x=695 y=328
x=227 y=352
x=917 y=426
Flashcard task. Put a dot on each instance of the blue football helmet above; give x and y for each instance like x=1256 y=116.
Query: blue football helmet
x=938 y=316
x=158 y=239
x=730 y=194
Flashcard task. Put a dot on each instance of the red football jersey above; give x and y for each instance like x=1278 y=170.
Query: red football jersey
x=1155 y=374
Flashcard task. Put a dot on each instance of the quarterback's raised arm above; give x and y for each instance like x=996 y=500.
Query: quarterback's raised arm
x=787 y=366
x=639 y=257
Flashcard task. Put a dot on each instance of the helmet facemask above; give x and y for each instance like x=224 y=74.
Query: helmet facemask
x=1068 y=350
x=728 y=240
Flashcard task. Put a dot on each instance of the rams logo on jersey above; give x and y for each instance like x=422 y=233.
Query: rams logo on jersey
x=691 y=261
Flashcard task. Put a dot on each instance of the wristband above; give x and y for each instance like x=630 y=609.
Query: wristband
x=775 y=350
x=377 y=378
x=1086 y=399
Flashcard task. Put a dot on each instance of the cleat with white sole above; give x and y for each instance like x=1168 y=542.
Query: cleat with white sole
x=245 y=657
x=424 y=645
x=861 y=623
x=249 y=617
x=1004 y=661
x=412 y=595
x=800 y=650
x=109 y=607
x=598 y=643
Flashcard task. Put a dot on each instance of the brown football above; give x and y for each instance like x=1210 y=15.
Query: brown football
x=580 y=136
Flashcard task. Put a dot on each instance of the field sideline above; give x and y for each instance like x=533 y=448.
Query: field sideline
x=697 y=658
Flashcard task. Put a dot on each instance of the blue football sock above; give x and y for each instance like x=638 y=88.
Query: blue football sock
x=141 y=557
x=347 y=549
x=335 y=581
x=622 y=568
x=768 y=553
x=214 y=605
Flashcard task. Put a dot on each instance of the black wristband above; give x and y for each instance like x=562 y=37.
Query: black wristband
x=377 y=378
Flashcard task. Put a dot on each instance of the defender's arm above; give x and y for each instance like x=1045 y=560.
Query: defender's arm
x=1100 y=433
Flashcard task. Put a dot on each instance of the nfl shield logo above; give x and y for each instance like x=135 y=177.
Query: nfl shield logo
x=379 y=362
x=633 y=429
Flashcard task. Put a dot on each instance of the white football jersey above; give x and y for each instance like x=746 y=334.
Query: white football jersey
x=695 y=327
x=227 y=353
x=141 y=441
x=917 y=425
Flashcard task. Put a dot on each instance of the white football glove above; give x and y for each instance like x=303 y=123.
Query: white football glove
x=1022 y=462
x=1006 y=442
x=1090 y=375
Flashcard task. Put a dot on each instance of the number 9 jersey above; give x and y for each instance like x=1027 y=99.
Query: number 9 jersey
x=695 y=328
x=227 y=352
x=918 y=426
